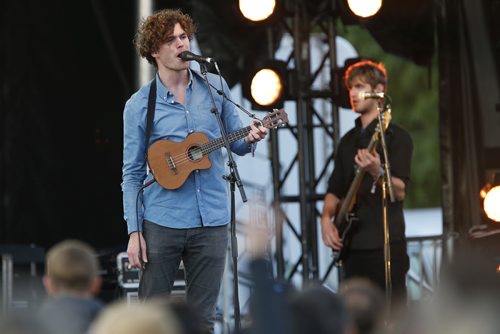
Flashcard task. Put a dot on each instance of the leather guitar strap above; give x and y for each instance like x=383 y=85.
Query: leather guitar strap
x=151 y=113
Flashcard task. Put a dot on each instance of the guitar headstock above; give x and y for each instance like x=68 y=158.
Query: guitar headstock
x=386 y=119
x=278 y=117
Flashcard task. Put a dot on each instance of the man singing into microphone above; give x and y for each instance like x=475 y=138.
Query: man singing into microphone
x=190 y=222
x=364 y=256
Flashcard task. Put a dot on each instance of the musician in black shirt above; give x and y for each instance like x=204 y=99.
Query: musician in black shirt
x=364 y=253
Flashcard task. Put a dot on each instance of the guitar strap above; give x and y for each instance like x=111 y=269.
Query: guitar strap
x=151 y=112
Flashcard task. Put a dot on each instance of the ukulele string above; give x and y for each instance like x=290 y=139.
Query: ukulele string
x=183 y=158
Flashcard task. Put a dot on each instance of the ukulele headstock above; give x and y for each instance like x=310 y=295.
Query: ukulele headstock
x=278 y=117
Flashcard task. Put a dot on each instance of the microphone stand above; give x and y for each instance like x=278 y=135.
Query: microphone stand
x=234 y=178
x=387 y=186
x=221 y=93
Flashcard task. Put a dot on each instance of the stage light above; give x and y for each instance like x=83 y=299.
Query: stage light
x=257 y=10
x=266 y=87
x=266 y=84
x=491 y=201
x=364 y=8
x=402 y=27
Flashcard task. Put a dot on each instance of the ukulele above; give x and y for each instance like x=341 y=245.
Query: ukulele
x=172 y=162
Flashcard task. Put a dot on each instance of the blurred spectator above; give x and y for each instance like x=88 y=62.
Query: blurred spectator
x=269 y=311
x=189 y=318
x=320 y=311
x=15 y=324
x=365 y=303
x=269 y=303
x=71 y=280
x=145 y=318
x=466 y=301
x=276 y=307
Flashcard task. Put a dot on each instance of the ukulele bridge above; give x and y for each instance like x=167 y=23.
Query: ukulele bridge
x=171 y=163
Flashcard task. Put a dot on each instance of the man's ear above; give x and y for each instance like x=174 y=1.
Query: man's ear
x=379 y=88
x=49 y=285
x=95 y=286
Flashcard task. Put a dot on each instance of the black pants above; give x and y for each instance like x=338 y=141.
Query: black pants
x=203 y=251
x=369 y=264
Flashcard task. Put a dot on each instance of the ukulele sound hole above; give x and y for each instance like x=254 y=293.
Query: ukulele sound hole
x=194 y=153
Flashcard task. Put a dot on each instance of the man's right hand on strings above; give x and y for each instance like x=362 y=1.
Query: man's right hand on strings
x=368 y=161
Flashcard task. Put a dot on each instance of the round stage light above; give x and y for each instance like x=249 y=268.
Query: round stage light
x=266 y=87
x=491 y=204
x=257 y=10
x=364 y=8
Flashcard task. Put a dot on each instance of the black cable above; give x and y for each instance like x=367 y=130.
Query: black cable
x=147 y=184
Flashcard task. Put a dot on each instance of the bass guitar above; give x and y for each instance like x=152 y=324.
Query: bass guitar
x=345 y=217
x=172 y=162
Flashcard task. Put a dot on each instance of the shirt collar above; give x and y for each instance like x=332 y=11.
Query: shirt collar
x=370 y=128
x=163 y=91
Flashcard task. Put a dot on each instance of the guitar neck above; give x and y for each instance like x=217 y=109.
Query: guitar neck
x=219 y=142
x=348 y=201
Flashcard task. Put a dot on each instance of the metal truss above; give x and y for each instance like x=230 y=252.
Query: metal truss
x=301 y=19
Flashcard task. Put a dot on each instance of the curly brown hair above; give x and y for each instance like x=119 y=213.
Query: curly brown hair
x=154 y=30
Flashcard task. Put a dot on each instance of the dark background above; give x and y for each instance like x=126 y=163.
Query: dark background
x=67 y=70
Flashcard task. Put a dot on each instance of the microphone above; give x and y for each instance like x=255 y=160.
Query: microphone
x=188 y=56
x=370 y=95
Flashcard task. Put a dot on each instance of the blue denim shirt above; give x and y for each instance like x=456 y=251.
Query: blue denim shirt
x=203 y=199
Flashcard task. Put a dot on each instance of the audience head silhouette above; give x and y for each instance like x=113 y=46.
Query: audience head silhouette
x=146 y=318
x=72 y=267
x=318 y=310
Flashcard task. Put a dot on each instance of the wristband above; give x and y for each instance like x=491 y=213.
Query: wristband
x=381 y=173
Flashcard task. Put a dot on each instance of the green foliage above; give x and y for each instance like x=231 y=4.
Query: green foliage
x=414 y=93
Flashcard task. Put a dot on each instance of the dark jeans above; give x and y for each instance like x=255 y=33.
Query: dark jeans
x=203 y=251
x=370 y=264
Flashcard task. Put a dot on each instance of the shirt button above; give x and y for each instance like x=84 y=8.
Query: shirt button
x=198 y=190
x=187 y=111
x=164 y=98
x=197 y=171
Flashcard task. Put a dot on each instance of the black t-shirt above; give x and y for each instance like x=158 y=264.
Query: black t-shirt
x=367 y=233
